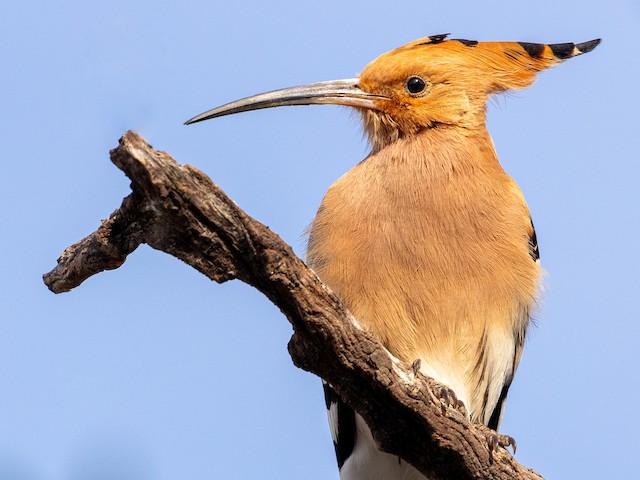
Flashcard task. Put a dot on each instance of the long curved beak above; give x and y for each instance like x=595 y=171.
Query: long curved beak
x=336 y=92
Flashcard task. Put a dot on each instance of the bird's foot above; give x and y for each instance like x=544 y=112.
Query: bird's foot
x=449 y=399
x=496 y=440
x=442 y=394
x=415 y=366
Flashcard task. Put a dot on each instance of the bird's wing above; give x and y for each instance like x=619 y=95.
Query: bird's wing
x=533 y=244
x=496 y=415
x=342 y=423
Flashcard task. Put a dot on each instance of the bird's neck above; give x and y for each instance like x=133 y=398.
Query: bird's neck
x=438 y=153
x=383 y=130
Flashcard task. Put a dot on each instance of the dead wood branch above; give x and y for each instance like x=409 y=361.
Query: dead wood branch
x=179 y=210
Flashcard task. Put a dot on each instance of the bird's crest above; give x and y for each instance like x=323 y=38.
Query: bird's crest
x=438 y=81
x=512 y=65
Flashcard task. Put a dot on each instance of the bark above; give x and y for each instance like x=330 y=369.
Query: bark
x=179 y=210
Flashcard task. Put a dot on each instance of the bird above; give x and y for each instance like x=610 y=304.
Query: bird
x=428 y=241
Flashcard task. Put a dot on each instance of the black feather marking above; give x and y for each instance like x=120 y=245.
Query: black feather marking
x=466 y=43
x=480 y=370
x=511 y=54
x=562 y=50
x=330 y=396
x=485 y=398
x=585 y=47
x=438 y=38
x=496 y=415
x=533 y=49
x=346 y=427
x=534 y=251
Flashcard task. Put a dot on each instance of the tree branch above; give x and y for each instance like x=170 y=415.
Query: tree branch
x=179 y=210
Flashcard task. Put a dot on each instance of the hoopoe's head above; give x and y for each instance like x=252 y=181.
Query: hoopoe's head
x=433 y=81
x=426 y=83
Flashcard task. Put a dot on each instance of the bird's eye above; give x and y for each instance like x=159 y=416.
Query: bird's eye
x=415 y=85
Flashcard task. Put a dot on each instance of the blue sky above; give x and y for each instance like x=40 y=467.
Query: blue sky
x=152 y=372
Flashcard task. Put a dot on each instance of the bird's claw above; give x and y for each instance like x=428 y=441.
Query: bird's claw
x=496 y=440
x=448 y=399
x=504 y=441
x=415 y=366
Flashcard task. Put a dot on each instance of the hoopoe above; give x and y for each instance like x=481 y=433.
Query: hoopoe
x=428 y=241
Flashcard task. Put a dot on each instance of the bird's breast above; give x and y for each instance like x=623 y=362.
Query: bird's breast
x=428 y=247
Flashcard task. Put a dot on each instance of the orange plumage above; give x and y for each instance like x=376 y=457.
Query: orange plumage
x=428 y=241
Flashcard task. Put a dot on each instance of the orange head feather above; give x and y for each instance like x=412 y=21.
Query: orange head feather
x=433 y=81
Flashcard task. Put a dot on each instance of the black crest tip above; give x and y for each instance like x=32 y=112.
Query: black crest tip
x=533 y=49
x=586 y=47
x=562 y=50
x=466 y=43
x=438 y=38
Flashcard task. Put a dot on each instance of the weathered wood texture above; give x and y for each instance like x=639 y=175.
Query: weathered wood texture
x=179 y=210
